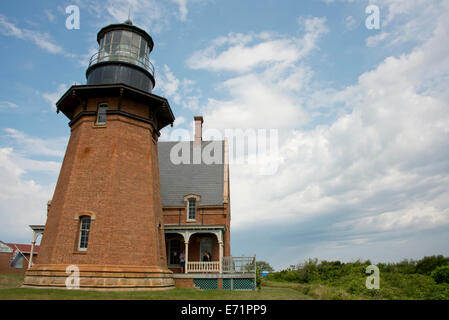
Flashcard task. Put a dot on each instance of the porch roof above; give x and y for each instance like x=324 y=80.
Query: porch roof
x=177 y=228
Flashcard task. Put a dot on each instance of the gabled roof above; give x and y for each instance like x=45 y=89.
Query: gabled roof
x=25 y=248
x=203 y=179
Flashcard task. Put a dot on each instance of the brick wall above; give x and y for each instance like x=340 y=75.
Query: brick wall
x=5 y=260
x=111 y=174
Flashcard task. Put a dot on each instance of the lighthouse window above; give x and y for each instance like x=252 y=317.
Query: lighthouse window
x=101 y=113
x=84 y=233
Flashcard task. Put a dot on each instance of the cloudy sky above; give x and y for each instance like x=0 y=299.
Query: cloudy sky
x=361 y=115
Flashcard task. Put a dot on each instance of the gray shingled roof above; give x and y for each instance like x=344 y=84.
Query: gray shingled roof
x=179 y=180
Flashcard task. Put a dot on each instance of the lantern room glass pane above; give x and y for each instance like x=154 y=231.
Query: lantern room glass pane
x=107 y=42
x=126 y=38
x=142 y=56
x=136 y=42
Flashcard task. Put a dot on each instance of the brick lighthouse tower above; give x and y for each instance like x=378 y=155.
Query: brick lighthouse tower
x=105 y=217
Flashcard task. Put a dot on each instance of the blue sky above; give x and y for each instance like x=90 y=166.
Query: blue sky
x=361 y=114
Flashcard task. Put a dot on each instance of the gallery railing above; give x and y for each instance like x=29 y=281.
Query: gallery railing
x=123 y=53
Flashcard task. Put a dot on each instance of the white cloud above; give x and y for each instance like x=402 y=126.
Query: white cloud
x=23 y=194
x=43 y=40
x=180 y=92
x=350 y=23
x=5 y=105
x=22 y=200
x=151 y=15
x=182 y=4
x=36 y=146
x=249 y=51
x=53 y=97
x=405 y=21
x=269 y=92
x=51 y=17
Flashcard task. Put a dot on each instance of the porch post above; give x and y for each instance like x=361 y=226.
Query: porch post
x=33 y=242
x=221 y=256
x=186 y=244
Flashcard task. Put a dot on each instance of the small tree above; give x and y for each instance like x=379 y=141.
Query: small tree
x=263 y=266
x=441 y=274
x=427 y=264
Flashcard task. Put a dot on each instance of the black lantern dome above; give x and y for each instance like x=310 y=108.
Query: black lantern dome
x=123 y=57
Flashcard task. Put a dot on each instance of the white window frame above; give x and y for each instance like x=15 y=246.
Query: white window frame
x=81 y=233
x=98 y=113
x=194 y=208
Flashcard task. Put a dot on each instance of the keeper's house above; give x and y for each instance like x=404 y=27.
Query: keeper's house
x=195 y=192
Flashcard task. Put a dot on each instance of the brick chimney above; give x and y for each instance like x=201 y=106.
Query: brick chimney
x=198 y=130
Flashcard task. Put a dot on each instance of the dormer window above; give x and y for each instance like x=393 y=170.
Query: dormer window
x=191 y=209
x=101 y=113
x=191 y=202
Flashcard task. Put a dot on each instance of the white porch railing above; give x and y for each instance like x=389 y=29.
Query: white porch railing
x=200 y=266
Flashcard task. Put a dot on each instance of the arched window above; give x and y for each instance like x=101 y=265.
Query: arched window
x=84 y=233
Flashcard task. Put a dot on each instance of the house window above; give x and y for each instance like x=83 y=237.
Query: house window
x=84 y=233
x=191 y=209
x=19 y=263
x=101 y=113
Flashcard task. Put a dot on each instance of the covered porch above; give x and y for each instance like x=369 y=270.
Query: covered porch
x=195 y=242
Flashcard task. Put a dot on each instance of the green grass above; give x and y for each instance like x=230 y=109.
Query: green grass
x=10 y=289
x=351 y=286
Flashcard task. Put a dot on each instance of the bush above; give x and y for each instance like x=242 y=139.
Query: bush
x=428 y=264
x=441 y=274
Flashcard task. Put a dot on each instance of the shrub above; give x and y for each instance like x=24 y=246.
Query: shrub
x=427 y=264
x=441 y=274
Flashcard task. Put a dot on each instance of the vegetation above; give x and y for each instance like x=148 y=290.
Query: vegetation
x=264 y=266
x=441 y=274
x=423 y=279
x=427 y=278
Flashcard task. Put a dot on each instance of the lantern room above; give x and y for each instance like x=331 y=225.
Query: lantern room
x=123 y=57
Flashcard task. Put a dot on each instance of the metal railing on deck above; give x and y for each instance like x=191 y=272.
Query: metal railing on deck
x=239 y=264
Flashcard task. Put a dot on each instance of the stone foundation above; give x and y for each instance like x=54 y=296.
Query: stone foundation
x=101 y=278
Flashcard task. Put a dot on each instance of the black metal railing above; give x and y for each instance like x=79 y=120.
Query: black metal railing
x=123 y=53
